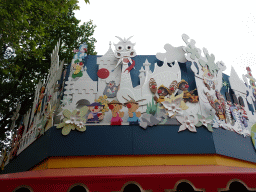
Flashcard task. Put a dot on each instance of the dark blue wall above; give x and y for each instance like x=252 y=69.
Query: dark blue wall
x=131 y=140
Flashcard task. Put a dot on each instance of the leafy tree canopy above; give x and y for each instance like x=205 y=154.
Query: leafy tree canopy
x=29 y=30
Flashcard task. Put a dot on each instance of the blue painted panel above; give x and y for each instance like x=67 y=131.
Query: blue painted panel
x=225 y=89
x=91 y=60
x=92 y=68
x=167 y=140
x=96 y=140
x=31 y=156
x=188 y=75
x=139 y=60
x=231 y=144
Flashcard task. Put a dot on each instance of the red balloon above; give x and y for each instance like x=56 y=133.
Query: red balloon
x=103 y=73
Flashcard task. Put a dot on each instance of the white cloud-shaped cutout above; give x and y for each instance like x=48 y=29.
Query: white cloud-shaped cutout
x=172 y=54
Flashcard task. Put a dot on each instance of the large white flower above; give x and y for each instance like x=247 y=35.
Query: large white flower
x=205 y=122
x=172 y=106
x=80 y=124
x=186 y=123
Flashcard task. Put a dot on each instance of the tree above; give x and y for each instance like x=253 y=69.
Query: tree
x=29 y=30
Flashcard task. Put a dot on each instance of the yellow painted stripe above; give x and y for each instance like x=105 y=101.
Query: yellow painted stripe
x=115 y=161
x=42 y=166
x=228 y=161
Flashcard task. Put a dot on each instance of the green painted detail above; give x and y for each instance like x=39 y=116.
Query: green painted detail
x=253 y=135
x=80 y=74
x=152 y=108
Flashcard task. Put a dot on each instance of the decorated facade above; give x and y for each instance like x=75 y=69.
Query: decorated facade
x=123 y=105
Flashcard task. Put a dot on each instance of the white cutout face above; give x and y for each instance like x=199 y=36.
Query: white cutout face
x=124 y=48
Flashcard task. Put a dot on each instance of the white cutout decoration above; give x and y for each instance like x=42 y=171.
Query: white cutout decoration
x=172 y=54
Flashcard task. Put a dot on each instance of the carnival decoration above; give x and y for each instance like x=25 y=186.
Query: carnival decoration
x=167 y=94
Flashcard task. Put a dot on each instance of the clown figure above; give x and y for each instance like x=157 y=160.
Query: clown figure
x=95 y=114
x=188 y=96
x=162 y=92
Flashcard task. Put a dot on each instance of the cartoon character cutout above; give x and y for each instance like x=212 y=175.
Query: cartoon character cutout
x=218 y=104
x=81 y=52
x=117 y=115
x=252 y=80
x=242 y=114
x=95 y=115
x=111 y=89
x=245 y=118
x=133 y=106
x=163 y=92
x=220 y=111
x=77 y=67
x=124 y=52
x=208 y=78
x=41 y=96
x=188 y=96
x=152 y=85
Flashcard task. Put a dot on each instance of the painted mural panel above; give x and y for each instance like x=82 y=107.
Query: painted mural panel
x=182 y=88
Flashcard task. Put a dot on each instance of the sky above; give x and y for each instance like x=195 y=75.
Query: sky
x=226 y=28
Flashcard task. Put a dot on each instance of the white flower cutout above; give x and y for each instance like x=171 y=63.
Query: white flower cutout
x=80 y=124
x=246 y=133
x=206 y=122
x=172 y=106
x=186 y=123
x=72 y=120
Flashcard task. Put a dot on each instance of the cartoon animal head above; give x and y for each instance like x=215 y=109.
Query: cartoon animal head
x=124 y=48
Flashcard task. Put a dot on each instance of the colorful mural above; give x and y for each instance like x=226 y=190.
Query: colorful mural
x=180 y=87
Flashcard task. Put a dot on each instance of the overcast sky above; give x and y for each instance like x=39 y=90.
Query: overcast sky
x=226 y=28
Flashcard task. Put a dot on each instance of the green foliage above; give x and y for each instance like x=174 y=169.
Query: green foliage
x=152 y=108
x=29 y=31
